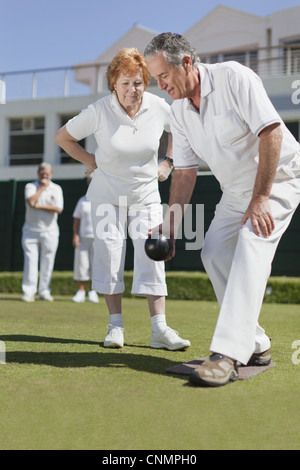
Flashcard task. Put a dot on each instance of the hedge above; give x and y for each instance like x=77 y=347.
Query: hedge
x=181 y=285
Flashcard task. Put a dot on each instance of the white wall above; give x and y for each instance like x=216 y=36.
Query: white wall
x=51 y=109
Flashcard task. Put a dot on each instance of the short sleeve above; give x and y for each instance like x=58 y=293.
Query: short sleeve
x=253 y=103
x=84 y=124
x=77 y=210
x=59 y=197
x=183 y=155
x=30 y=190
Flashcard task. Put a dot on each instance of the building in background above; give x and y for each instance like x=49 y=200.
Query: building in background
x=39 y=102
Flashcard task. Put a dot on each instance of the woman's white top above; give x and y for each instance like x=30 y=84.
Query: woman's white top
x=127 y=149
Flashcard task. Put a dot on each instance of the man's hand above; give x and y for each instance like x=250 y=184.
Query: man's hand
x=76 y=240
x=182 y=186
x=259 y=213
x=44 y=182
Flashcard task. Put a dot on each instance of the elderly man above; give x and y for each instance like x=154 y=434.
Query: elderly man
x=222 y=114
x=40 y=235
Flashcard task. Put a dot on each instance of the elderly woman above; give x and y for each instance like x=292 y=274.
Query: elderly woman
x=127 y=125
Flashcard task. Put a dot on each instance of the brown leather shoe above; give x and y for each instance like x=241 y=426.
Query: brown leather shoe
x=260 y=359
x=215 y=371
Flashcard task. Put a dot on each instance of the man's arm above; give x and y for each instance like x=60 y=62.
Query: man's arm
x=33 y=200
x=48 y=208
x=182 y=186
x=259 y=209
x=76 y=238
x=165 y=167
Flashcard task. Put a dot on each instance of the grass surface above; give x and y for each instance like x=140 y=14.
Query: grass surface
x=60 y=389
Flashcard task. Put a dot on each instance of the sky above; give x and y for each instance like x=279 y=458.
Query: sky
x=55 y=33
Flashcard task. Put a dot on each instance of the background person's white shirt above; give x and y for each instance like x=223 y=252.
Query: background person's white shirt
x=39 y=220
x=127 y=150
x=82 y=211
x=234 y=108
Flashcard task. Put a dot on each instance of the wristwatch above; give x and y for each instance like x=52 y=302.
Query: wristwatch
x=169 y=159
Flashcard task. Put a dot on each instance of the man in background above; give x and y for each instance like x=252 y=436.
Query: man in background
x=40 y=234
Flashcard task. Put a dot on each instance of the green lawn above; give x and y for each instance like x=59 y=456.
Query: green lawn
x=60 y=389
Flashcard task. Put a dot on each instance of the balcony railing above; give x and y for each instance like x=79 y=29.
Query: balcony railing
x=277 y=61
x=41 y=83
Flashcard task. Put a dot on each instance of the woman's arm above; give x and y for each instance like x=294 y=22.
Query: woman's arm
x=72 y=148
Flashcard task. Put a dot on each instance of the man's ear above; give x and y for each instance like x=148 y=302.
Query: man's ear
x=187 y=63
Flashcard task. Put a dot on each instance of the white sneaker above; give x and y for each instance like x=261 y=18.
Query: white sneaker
x=169 y=339
x=79 y=297
x=47 y=297
x=115 y=337
x=93 y=296
x=28 y=298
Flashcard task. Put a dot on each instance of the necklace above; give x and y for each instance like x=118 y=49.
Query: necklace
x=135 y=123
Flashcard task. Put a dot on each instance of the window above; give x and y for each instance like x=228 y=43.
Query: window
x=292 y=56
x=63 y=156
x=248 y=58
x=26 y=141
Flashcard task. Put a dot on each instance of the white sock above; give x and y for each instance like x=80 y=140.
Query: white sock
x=115 y=319
x=158 y=323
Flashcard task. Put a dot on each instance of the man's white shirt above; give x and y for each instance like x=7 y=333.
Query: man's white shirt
x=234 y=109
x=39 y=220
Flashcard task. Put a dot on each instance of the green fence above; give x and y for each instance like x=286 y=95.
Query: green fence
x=207 y=193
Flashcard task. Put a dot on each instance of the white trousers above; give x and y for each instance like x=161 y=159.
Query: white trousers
x=110 y=225
x=38 y=247
x=238 y=263
x=83 y=259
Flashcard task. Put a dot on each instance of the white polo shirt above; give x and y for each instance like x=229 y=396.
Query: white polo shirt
x=234 y=108
x=127 y=149
x=82 y=211
x=39 y=220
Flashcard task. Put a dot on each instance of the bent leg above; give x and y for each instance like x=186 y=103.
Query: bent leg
x=237 y=333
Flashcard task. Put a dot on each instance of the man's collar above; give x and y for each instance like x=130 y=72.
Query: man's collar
x=206 y=84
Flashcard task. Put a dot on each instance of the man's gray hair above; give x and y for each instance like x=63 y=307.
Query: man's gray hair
x=173 y=46
x=45 y=166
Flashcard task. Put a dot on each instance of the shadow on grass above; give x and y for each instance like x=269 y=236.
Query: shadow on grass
x=105 y=358
x=43 y=339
